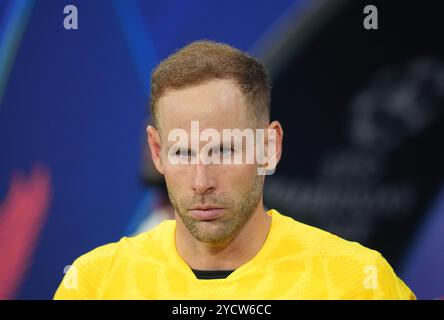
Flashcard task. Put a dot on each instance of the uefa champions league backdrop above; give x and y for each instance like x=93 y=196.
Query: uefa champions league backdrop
x=362 y=112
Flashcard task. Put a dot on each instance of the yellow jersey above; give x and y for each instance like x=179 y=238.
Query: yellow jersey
x=297 y=261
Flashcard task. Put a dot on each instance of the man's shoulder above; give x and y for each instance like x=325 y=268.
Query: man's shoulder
x=359 y=266
x=89 y=272
x=313 y=241
x=127 y=245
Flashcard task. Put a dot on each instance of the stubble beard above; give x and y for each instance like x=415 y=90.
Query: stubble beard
x=226 y=227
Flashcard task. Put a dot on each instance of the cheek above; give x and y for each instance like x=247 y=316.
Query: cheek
x=175 y=174
x=238 y=176
x=177 y=178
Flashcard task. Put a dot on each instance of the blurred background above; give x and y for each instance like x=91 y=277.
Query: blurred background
x=362 y=111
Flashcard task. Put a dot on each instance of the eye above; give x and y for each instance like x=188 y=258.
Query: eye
x=183 y=153
x=226 y=150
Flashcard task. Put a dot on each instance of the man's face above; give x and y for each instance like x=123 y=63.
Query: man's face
x=236 y=188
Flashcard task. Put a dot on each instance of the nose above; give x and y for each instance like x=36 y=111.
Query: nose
x=203 y=183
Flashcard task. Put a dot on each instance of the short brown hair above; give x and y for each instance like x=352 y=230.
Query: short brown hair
x=202 y=61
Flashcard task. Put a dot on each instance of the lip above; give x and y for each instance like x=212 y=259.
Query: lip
x=204 y=213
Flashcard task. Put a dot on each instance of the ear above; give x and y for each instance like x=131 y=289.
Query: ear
x=155 y=144
x=279 y=138
x=273 y=147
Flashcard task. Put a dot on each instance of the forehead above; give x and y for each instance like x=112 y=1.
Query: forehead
x=217 y=104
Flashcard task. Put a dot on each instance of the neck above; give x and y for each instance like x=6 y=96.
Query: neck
x=230 y=254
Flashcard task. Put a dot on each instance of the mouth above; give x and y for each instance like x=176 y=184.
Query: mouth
x=206 y=213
